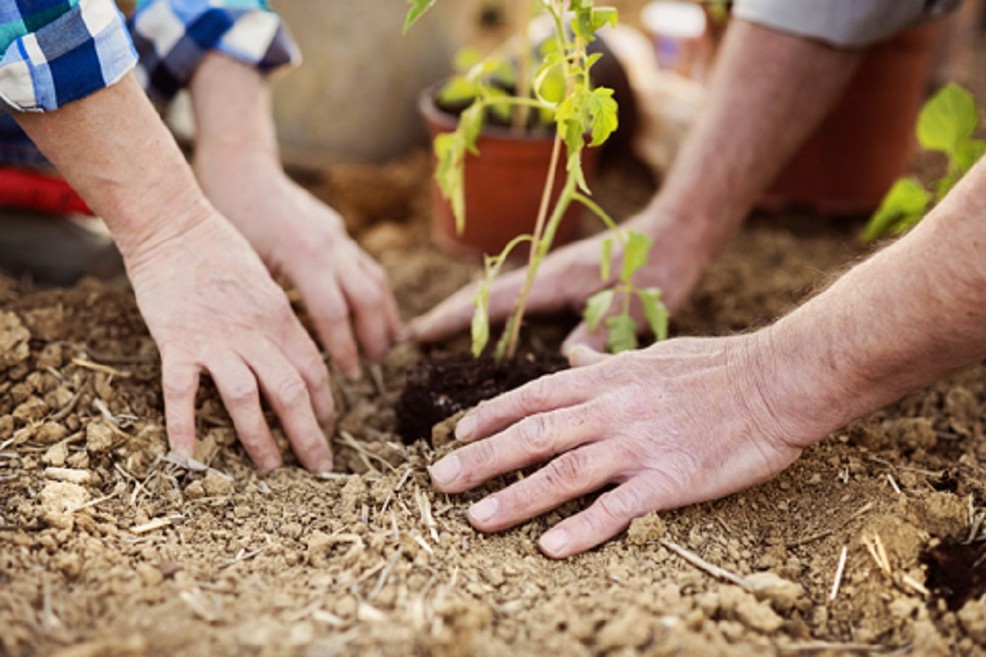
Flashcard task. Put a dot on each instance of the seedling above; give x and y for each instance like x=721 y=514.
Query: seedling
x=946 y=124
x=557 y=90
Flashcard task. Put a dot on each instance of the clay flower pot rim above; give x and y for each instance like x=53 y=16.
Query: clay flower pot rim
x=428 y=105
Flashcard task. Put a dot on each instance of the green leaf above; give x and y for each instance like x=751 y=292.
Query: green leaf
x=450 y=149
x=621 y=333
x=459 y=91
x=471 y=124
x=968 y=153
x=655 y=311
x=635 y=254
x=596 y=308
x=606 y=259
x=467 y=58
x=905 y=201
x=549 y=83
x=603 y=113
x=947 y=119
x=416 y=11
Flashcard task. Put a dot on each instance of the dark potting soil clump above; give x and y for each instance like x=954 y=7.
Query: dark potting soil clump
x=957 y=572
x=439 y=387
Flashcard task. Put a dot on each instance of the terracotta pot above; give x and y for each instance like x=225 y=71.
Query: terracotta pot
x=503 y=187
x=867 y=141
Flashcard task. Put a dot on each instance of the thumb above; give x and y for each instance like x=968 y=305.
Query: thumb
x=582 y=336
x=583 y=356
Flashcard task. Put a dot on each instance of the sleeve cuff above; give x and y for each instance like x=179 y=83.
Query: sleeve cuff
x=172 y=37
x=842 y=23
x=82 y=51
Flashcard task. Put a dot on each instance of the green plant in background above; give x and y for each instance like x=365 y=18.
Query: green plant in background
x=946 y=124
x=555 y=90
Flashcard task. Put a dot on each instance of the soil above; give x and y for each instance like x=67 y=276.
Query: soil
x=109 y=548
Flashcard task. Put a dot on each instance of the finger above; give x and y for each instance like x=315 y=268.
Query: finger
x=288 y=395
x=306 y=359
x=366 y=299
x=447 y=318
x=532 y=440
x=567 y=477
x=237 y=386
x=609 y=515
x=583 y=356
x=179 y=383
x=581 y=336
x=568 y=388
x=328 y=309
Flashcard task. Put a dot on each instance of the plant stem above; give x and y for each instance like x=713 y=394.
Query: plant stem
x=535 y=255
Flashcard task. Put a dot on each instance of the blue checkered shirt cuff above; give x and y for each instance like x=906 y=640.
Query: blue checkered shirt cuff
x=51 y=63
x=172 y=37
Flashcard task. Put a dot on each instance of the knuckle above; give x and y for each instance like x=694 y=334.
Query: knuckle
x=619 y=505
x=242 y=391
x=566 y=472
x=175 y=385
x=535 y=396
x=477 y=460
x=536 y=436
x=292 y=392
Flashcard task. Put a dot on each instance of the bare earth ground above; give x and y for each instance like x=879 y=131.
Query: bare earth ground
x=106 y=549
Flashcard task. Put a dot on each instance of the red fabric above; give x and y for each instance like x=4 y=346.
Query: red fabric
x=28 y=190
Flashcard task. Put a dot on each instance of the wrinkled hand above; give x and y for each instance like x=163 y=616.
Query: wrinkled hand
x=570 y=275
x=678 y=423
x=344 y=289
x=211 y=306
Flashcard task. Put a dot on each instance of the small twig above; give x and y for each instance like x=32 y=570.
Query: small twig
x=347 y=439
x=830 y=646
x=192 y=465
x=875 y=547
x=97 y=367
x=153 y=525
x=839 y=571
x=69 y=407
x=914 y=584
x=376 y=376
x=893 y=484
x=385 y=574
x=80 y=477
x=96 y=502
x=713 y=570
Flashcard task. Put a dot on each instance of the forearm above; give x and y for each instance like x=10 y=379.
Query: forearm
x=904 y=318
x=768 y=93
x=113 y=148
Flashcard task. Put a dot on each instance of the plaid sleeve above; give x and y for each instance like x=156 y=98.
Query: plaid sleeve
x=57 y=51
x=172 y=37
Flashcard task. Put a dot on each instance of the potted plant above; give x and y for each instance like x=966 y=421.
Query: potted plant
x=557 y=89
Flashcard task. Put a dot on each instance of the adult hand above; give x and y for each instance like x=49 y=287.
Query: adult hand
x=345 y=291
x=570 y=275
x=212 y=307
x=680 y=422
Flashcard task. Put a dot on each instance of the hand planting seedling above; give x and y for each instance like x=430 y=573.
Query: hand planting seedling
x=946 y=124
x=557 y=90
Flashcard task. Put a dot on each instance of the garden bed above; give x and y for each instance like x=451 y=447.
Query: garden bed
x=142 y=557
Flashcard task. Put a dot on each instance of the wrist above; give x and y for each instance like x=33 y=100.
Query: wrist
x=798 y=401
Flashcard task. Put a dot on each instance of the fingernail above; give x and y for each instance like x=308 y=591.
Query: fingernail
x=324 y=466
x=554 y=541
x=466 y=427
x=483 y=510
x=446 y=470
x=271 y=463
